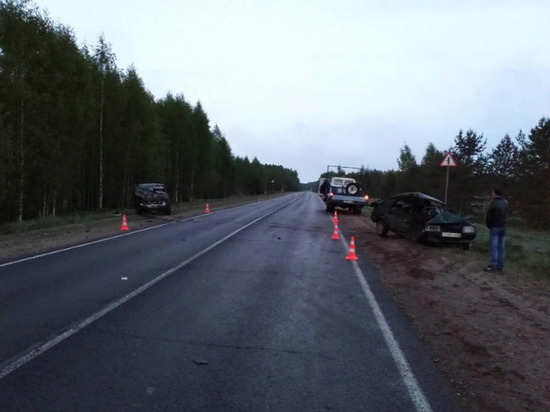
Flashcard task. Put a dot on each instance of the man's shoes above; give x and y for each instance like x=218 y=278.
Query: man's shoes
x=492 y=269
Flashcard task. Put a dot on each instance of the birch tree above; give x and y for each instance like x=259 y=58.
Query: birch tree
x=106 y=63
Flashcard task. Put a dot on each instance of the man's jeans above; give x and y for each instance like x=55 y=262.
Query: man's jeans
x=497 y=247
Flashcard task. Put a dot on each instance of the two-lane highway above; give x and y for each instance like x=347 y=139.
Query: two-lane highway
x=250 y=308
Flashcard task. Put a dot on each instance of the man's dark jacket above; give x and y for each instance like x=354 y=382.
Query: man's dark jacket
x=497 y=213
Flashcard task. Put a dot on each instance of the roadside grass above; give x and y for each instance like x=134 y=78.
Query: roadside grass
x=527 y=250
x=89 y=219
x=83 y=218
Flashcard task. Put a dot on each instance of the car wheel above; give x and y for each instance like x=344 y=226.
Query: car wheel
x=352 y=189
x=330 y=208
x=382 y=228
x=357 y=210
x=467 y=246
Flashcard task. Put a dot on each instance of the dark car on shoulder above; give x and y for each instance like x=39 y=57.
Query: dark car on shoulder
x=422 y=217
x=152 y=198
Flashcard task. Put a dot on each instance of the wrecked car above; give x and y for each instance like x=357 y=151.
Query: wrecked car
x=151 y=198
x=422 y=217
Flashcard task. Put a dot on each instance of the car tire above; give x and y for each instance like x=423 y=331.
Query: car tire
x=330 y=208
x=467 y=246
x=352 y=189
x=357 y=210
x=382 y=228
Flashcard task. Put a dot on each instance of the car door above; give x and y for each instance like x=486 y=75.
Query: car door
x=400 y=216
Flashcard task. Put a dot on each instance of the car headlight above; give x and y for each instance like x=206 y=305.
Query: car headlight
x=468 y=229
x=432 y=228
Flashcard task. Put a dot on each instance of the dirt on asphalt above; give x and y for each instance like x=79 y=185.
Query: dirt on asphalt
x=488 y=333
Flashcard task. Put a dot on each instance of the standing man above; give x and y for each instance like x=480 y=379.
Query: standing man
x=325 y=188
x=496 y=217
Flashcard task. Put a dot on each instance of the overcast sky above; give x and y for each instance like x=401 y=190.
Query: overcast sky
x=310 y=83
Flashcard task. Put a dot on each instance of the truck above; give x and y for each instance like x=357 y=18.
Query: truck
x=342 y=192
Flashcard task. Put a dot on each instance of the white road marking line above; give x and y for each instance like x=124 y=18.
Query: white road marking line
x=133 y=232
x=41 y=348
x=416 y=394
x=53 y=252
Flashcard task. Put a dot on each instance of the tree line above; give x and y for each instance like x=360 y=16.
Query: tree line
x=519 y=166
x=77 y=132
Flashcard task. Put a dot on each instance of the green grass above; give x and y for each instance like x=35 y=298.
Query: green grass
x=527 y=250
x=90 y=218
x=52 y=222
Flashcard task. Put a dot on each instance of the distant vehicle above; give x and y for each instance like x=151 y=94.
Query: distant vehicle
x=152 y=197
x=423 y=218
x=343 y=192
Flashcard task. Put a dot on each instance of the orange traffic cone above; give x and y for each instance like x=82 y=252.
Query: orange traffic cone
x=124 y=224
x=335 y=218
x=335 y=233
x=207 y=209
x=351 y=254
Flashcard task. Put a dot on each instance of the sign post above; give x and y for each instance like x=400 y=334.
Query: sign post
x=448 y=162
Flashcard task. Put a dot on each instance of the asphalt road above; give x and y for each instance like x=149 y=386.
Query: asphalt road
x=246 y=309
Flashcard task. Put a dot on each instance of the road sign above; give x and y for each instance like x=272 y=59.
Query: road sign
x=448 y=161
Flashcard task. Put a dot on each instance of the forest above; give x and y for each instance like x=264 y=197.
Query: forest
x=519 y=166
x=77 y=133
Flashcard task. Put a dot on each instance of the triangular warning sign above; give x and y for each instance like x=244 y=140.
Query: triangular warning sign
x=448 y=161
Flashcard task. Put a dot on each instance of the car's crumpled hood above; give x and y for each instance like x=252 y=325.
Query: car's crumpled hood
x=446 y=216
